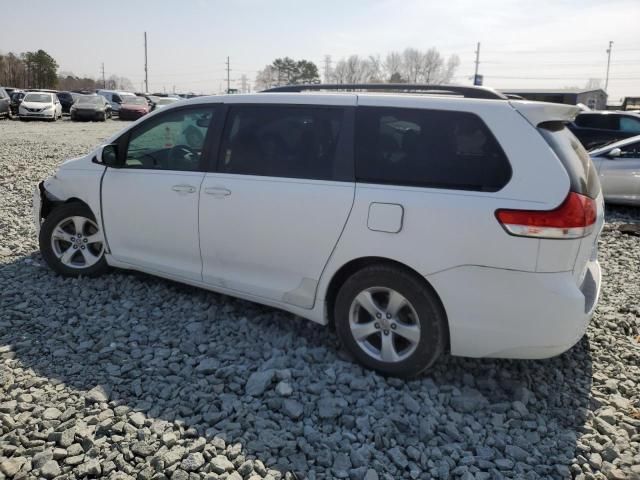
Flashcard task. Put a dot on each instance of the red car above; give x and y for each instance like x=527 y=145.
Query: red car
x=132 y=107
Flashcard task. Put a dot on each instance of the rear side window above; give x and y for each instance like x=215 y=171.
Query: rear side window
x=630 y=124
x=603 y=122
x=282 y=141
x=576 y=160
x=428 y=148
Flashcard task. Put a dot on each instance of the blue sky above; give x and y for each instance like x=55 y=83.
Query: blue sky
x=543 y=44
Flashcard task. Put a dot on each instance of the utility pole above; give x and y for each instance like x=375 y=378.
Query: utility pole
x=243 y=79
x=104 y=82
x=606 y=82
x=228 y=76
x=146 y=71
x=475 y=74
x=327 y=69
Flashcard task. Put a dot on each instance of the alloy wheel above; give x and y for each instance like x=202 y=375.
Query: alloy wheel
x=77 y=242
x=384 y=324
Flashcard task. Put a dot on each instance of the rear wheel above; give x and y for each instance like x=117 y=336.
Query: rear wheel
x=71 y=242
x=390 y=321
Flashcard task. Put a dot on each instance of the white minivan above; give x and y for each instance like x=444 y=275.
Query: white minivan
x=114 y=97
x=427 y=220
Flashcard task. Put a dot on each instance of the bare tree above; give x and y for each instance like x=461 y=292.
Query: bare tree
x=432 y=63
x=376 y=74
x=266 y=78
x=413 y=64
x=393 y=67
x=452 y=65
x=593 y=84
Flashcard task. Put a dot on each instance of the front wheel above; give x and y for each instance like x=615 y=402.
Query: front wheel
x=71 y=242
x=390 y=321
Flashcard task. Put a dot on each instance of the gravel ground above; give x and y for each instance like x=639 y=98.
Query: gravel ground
x=129 y=376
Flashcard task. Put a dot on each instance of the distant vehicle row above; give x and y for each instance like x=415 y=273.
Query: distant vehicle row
x=135 y=105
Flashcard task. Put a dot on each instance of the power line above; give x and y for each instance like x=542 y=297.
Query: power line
x=555 y=78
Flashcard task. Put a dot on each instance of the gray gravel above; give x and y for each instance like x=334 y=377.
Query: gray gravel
x=133 y=377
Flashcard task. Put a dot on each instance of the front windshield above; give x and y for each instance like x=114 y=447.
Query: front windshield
x=130 y=100
x=89 y=100
x=38 y=97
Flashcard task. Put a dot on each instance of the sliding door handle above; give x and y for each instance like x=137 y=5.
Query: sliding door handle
x=217 y=191
x=184 y=188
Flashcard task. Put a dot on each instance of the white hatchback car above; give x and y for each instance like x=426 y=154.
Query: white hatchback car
x=40 y=105
x=414 y=222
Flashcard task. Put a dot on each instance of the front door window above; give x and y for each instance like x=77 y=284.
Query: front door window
x=173 y=141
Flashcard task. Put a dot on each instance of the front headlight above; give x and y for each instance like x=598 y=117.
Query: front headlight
x=47 y=108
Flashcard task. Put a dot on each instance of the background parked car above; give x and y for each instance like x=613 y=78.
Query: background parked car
x=115 y=98
x=594 y=129
x=133 y=107
x=16 y=100
x=66 y=100
x=152 y=100
x=618 y=165
x=42 y=105
x=90 y=107
x=10 y=90
x=5 y=104
x=163 y=102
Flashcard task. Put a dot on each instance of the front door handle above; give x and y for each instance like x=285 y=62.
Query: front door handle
x=184 y=188
x=217 y=191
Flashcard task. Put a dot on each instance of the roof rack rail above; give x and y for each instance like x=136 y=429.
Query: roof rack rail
x=465 y=91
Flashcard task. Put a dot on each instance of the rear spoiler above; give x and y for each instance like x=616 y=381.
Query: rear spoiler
x=539 y=112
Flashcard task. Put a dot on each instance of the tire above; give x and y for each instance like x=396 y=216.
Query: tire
x=55 y=117
x=419 y=316
x=67 y=253
x=104 y=117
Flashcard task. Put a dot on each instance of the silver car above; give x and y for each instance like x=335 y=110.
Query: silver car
x=618 y=166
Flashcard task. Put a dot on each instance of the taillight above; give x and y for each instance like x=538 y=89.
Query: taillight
x=575 y=218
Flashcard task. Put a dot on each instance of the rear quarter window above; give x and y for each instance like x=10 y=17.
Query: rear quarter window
x=428 y=148
x=599 y=121
x=575 y=159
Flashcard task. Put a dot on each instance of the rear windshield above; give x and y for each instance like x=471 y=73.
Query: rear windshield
x=576 y=160
x=89 y=100
x=131 y=100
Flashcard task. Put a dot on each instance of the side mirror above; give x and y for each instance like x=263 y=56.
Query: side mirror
x=108 y=156
x=614 y=153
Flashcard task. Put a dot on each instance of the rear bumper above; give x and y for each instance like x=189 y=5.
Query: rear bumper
x=514 y=314
x=128 y=115
x=88 y=115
